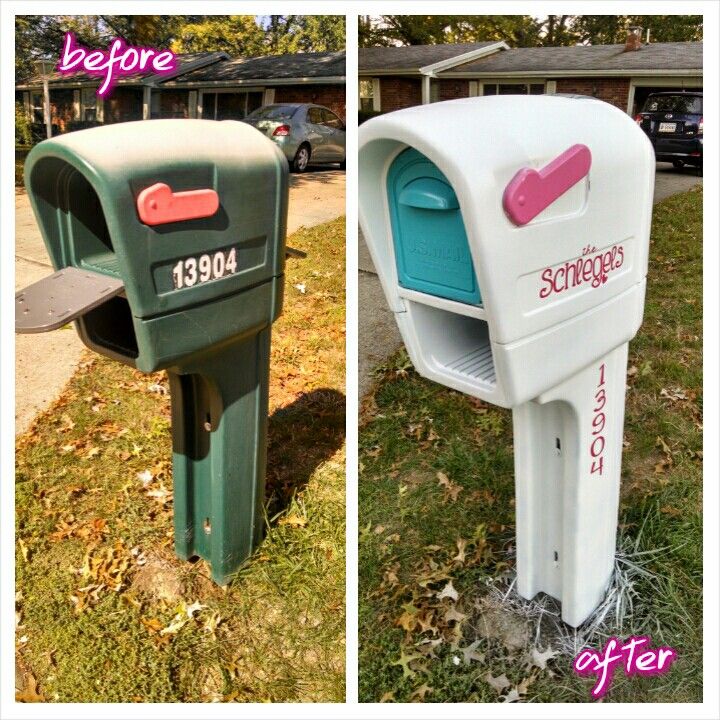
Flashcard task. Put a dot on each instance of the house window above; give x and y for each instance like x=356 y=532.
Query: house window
x=230 y=105
x=36 y=107
x=434 y=91
x=514 y=88
x=125 y=104
x=367 y=96
x=88 y=105
x=62 y=108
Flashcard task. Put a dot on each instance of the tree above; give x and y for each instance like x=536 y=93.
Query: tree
x=246 y=35
x=610 y=29
x=322 y=33
x=516 y=30
x=150 y=30
x=304 y=33
x=522 y=30
x=40 y=36
x=237 y=35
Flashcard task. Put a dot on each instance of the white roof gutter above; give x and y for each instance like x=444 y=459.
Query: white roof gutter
x=266 y=82
x=179 y=83
x=466 y=57
x=572 y=73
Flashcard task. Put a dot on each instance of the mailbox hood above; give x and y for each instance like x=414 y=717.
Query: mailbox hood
x=583 y=256
x=148 y=202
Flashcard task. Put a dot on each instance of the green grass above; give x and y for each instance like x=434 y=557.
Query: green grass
x=420 y=529
x=276 y=634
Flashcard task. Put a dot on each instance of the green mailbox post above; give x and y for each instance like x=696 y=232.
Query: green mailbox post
x=168 y=238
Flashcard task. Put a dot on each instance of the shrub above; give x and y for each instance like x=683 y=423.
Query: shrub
x=22 y=126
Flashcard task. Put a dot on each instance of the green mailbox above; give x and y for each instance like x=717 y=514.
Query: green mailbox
x=168 y=240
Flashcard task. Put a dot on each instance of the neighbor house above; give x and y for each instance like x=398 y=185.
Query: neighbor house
x=391 y=78
x=204 y=85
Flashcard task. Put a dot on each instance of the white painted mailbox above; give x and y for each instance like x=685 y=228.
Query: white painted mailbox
x=511 y=234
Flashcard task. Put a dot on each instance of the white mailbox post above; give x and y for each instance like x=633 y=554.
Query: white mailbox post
x=511 y=235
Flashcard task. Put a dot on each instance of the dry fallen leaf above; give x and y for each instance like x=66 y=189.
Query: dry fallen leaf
x=194 y=608
x=470 y=653
x=178 y=622
x=448 y=592
x=30 y=693
x=419 y=694
x=461 y=545
x=452 y=615
x=451 y=489
x=294 y=521
x=211 y=623
x=540 y=659
x=497 y=683
x=404 y=662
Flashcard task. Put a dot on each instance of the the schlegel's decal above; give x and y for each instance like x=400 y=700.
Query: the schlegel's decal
x=593 y=267
x=531 y=191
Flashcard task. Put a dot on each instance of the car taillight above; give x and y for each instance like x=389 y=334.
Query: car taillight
x=639 y=119
x=281 y=131
x=700 y=127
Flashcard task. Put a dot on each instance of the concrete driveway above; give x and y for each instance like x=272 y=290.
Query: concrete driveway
x=378 y=334
x=45 y=362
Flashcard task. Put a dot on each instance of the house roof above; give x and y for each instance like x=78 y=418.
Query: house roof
x=673 y=56
x=412 y=57
x=217 y=67
x=271 y=67
x=185 y=62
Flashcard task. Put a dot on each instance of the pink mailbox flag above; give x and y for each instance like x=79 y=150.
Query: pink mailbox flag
x=531 y=191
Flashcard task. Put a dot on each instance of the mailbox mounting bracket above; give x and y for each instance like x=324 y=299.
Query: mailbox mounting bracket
x=61 y=298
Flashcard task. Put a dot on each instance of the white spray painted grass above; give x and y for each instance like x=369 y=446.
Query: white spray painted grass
x=621 y=613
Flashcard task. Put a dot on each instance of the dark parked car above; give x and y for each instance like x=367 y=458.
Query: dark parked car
x=674 y=123
x=307 y=134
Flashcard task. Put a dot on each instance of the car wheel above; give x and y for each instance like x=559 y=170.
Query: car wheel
x=677 y=164
x=302 y=159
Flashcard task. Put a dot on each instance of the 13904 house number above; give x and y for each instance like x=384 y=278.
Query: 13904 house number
x=597 y=445
x=192 y=271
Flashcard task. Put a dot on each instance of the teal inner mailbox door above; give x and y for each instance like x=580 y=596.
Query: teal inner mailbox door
x=431 y=247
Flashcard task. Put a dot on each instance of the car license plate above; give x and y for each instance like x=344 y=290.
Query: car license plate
x=191 y=271
x=667 y=127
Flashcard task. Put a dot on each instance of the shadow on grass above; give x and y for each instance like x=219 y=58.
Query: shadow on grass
x=301 y=436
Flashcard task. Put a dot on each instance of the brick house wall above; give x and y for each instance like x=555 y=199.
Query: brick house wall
x=331 y=96
x=452 y=89
x=399 y=92
x=612 y=90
